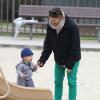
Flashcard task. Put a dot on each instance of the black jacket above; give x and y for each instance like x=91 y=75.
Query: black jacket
x=65 y=45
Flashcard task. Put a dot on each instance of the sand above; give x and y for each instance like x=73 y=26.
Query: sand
x=88 y=72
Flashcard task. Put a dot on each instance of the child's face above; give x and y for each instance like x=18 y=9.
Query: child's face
x=28 y=58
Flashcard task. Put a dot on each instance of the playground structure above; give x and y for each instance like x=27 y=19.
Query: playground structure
x=11 y=91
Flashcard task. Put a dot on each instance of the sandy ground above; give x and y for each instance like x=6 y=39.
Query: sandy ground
x=88 y=73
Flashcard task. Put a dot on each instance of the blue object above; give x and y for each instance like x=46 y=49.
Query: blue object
x=26 y=52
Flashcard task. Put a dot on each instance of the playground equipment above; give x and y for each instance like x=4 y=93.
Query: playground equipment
x=12 y=91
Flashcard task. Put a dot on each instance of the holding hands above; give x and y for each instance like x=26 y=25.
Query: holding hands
x=40 y=64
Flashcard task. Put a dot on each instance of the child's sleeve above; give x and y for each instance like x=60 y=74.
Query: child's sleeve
x=19 y=70
x=34 y=67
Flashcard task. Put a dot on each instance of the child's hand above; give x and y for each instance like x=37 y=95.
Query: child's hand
x=23 y=76
x=36 y=65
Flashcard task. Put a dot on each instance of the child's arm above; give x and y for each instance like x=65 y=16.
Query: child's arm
x=34 y=67
x=19 y=71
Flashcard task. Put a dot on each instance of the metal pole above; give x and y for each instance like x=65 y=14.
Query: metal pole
x=78 y=3
x=13 y=15
x=37 y=2
x=25 y=2
x=1 y=17
x=7 y=13
x=19 y=2
x=31 y=2
x=13 y=10
x=96 y=3
x=30 y=34
x=98 y=33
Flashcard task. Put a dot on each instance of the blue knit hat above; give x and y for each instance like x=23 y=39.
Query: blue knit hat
x=26 y=52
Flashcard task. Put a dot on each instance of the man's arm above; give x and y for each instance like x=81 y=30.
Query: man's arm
x=47 y=49
x=74 y=46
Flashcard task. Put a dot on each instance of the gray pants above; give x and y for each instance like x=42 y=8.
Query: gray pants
x=26 y=83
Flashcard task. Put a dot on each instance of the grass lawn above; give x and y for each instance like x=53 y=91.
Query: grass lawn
x=88 y=38
x=39 y=35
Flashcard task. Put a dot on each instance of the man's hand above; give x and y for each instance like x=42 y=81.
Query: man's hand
x=40 y=64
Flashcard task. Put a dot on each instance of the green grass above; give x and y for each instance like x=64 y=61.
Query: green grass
x=6 y=23
x=35 y=35
x=88 y=38
x=39 y=35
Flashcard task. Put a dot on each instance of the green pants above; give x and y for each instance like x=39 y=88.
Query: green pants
x=72 y=81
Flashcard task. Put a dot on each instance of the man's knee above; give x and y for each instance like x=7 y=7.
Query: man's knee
x=59 y=83
x=72 y=83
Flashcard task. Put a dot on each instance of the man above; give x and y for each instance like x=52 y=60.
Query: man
x=63 y=39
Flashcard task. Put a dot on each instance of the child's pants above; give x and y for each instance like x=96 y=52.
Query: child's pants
x=71 y=76
x=26 y=83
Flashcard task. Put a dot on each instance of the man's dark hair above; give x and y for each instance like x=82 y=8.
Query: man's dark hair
x=55 y=12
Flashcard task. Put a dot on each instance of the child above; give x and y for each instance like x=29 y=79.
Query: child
x=25 y=68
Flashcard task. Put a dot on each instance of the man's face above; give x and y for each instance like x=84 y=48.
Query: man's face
x=54 y=21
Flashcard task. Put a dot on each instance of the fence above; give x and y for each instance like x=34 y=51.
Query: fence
x=9 y=11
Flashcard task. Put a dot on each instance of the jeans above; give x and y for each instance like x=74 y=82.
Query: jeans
x=25 y=83
x=72 y=81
